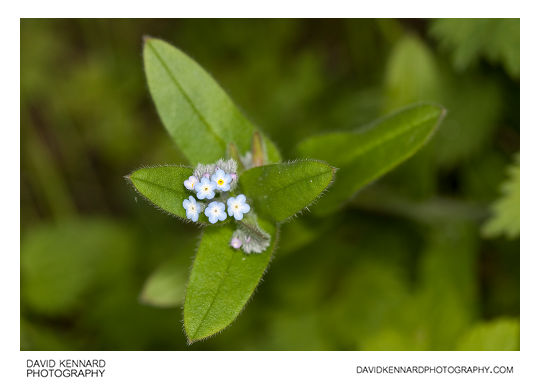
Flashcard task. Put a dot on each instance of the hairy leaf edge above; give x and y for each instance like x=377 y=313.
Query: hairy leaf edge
x=316 y=199
x=191 y=341
x=180 y=218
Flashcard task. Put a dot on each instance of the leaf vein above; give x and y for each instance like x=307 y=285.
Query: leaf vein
x=158 y=185
x=188 y=99
x=276 y=190
x=389 y=137
x=214 y=297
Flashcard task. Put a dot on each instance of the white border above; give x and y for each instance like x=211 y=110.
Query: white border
x=275 y=8
x=276 y=367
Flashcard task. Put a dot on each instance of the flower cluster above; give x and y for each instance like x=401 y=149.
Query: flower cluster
x=214 y=185
x=206 y=182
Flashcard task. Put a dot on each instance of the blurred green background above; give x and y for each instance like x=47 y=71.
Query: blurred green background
x=409 y=264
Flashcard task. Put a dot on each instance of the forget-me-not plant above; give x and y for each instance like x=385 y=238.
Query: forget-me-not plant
x=181 y=89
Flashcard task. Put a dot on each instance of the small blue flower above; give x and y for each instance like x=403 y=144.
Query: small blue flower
x=190 y=183
x=215 y=211
x=205 y=189
x=192 y=208
x=222 y=180
x=237 y=206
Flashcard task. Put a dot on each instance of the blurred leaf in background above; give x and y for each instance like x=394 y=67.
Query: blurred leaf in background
x=505 y=216
x=166 y=286
x=469 y=40
x=448 y=288
x=62 y=264
x=498 y=335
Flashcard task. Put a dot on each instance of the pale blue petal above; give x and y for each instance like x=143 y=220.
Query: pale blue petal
x=193 y=216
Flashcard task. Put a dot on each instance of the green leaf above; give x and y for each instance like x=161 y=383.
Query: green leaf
x=505 y=219
x=468 y=40
x=279 y=191
x=64 y=264
x=163 y=186
x=198 y=114
x=448 y=290
x=222 y=281
x=498 y=335
x=366 y=154
x=166 y=286
x=411 y=74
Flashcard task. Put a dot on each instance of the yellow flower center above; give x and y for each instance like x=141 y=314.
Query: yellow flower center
x=220 y=181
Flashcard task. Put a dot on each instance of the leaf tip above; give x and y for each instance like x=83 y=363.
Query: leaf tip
x=442 y=115
x=190 y=339
x=444 y=111
x=127 y=178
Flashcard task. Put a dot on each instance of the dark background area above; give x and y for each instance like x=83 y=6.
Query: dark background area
x=404 y=266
